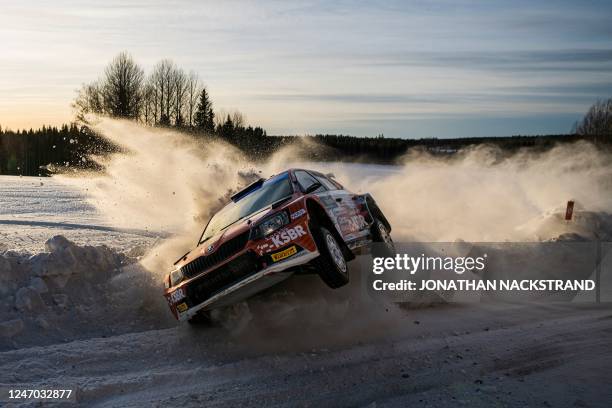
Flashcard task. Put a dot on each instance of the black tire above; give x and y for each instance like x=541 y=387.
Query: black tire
x=383 y=245
x=331 y=263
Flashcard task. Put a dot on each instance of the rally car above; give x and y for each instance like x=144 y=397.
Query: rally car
x=298 y=221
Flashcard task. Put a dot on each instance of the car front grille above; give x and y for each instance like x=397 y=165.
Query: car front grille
x=226 y=250
x=226 y=275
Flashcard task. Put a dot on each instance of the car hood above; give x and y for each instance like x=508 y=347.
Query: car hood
x=213 y=243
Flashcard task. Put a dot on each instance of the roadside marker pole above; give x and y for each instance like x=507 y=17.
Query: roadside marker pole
x=569 y=210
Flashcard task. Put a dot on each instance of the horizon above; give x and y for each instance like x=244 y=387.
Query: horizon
x=405 y=70
x=416 y=138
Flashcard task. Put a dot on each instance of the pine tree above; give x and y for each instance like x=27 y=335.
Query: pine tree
x=227 y=130
x=205 y=117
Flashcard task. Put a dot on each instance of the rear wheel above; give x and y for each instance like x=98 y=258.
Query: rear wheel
x=383 y=244
x=330 y=264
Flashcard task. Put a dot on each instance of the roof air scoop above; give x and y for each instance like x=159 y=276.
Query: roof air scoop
x=247 y=190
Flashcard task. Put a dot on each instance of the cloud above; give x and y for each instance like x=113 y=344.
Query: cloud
x=594 y=60
x=339 y=60
x=539 y=94
x=351 y=98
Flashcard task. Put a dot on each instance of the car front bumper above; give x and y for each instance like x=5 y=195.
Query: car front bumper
x=255 y=283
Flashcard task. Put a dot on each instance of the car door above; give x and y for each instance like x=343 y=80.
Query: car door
x=339 y=204
x=348 y=212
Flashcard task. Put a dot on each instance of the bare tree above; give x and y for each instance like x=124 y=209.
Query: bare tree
x=122 y=87
x=238 y=119
x=168 y=97
x=220 y=118
x=149 y=105
x=598 y=120
x=154 y=86
x=173 y=94
x=162 y=81
x=88 y=100
x=179 y=80
x=193 y=91
x=118 y=93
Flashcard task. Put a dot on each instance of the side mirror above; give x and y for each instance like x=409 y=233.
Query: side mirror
x=313 y=187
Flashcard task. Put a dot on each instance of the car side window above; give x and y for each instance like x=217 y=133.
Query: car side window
x=338 y=185
x=325 y=181
x=305 y=180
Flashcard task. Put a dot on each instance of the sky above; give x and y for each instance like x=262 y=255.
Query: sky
x=399 y=68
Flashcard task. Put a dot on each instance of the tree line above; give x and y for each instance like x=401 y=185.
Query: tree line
x=50 y=149
x=169 y=96
x=597 y=121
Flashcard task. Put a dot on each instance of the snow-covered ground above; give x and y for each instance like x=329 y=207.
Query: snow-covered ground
x=32 y=210
x=81 y=302
x=85 y=315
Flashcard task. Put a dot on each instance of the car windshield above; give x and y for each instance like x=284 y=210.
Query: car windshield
x=271 y=190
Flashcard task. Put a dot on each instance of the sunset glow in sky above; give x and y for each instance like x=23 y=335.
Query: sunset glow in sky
x=405 y=68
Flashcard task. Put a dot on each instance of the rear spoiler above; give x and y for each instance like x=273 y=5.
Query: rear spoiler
x=248 y=189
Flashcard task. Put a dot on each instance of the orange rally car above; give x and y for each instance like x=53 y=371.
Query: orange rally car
x=298 y=221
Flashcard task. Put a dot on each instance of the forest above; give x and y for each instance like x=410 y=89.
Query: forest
x=47 y=150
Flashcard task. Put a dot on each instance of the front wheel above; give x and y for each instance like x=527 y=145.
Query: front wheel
x=331 y=263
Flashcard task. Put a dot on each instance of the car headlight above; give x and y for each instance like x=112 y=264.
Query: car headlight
x=271 y=224
x=176 y=277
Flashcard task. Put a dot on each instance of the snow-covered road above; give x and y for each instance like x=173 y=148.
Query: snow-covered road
x=82 y=312
x=475 y=357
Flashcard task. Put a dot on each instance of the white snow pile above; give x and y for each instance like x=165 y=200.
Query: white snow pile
x=74 y=291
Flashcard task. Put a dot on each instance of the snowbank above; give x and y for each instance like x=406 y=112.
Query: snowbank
x=73 y=291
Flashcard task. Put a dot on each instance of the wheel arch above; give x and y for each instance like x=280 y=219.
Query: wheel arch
x=375 y=211
x=317 y=212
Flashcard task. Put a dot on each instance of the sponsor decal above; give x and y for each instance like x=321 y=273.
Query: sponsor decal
x=264 y=247
x=298 y=213
x=287 y=235
x=328 y=201
x=182 y=307
x=292 y=250
x=177 y=295
x=353 y=223
x=338 y=211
